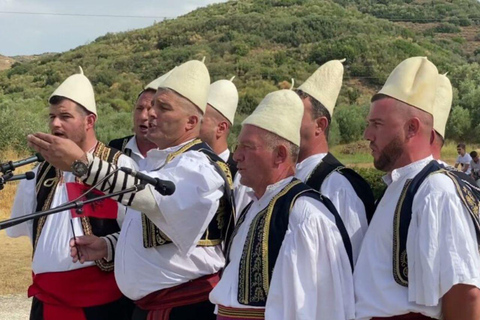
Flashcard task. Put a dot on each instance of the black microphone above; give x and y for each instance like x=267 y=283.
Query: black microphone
x=10 y=166
x=164 y=187
x=27 y=175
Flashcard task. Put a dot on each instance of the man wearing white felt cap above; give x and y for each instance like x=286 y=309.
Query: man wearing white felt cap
x=137 y=145
x=217 y=122
x=419 y=258
x=318 y=168
x=286 y=258
x=169 y=253
x=56 y=278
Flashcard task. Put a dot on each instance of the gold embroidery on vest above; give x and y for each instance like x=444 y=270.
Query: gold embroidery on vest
x=258 y=259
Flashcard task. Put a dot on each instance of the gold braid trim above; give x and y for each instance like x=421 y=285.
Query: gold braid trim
x=259 y=265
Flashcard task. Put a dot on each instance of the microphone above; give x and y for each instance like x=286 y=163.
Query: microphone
x=10 y=166
x=9 y=177
x=164 y=187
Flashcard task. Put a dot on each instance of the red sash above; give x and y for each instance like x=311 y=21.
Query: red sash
x=160 y=303
x=228 y=313
x=408 y=316
x=65 y=294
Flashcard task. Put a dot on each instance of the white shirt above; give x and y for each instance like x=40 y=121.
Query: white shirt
x=475 y=166
x=463 y=160
x=224 y=155
x=441 y=245
x=183 y=216
x=339 y=190
x=243 y=195
x=136 y=155
x=312 y=278
x=52 y=253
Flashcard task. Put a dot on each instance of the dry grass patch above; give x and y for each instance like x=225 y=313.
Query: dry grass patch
x=15 y=262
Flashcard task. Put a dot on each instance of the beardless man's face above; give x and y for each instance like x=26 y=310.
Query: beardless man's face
x=140 y=114
x=385 y=132
x=209 y=125
x=66 y=120
x=167 y=119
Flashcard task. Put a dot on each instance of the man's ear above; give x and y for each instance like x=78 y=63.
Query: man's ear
x=321 y=124
x=222 y=128
x=90 y=120
x=280 y=155
x=192 y=122
x=413 y=127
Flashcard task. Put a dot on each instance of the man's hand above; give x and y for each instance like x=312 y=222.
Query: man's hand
x=90 y=247
x=59 y=152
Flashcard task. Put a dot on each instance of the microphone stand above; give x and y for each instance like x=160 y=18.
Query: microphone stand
x=78 y=205
x=4 y=178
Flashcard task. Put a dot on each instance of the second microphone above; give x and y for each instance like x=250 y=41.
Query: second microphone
x=164 y=187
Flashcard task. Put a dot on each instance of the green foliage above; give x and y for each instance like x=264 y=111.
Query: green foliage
x=459 y=123
x=374 y=178
x=351 y=122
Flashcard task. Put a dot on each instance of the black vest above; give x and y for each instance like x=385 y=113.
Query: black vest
x=221 y=225
x=466 y=189
x=48 y=178
x=329 y=164
x=232 y=165
x=268 y=230
x=120 y=145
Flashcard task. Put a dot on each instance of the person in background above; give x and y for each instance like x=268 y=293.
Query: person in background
x=475 y=167
x=217 y=122
x=463 y=159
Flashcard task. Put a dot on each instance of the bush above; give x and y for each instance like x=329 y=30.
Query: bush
x=374 y=179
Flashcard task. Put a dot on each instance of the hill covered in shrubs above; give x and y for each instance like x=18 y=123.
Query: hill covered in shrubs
x=264 y=44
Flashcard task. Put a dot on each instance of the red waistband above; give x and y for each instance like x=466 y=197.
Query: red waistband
x=64 y=294
x=160 y=303
x=408 y=316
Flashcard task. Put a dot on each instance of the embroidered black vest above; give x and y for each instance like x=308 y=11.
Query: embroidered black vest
x=330 y=164
x=466 y=189
x=48 y=178
x=120 y=145
x=265 y=237
x=222 y=223
x=232 y=164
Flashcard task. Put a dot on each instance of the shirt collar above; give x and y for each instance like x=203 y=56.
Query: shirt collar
x=312 y=159
x=399 y=173
x=224 y=155
x=132 y=145
x=271 y=190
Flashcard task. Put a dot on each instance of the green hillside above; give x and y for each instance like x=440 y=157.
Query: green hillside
x=264 y=44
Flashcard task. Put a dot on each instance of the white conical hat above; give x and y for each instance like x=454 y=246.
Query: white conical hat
x=78 y=89
x=157 y=82
x=280 y=112
x=443 y=104
x=192 y=81
x=413 y=81
x=325 y=83
x=223 y=97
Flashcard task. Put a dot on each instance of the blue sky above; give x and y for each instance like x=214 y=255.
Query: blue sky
x=26 y=34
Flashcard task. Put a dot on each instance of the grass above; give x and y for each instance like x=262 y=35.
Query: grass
x=15 y=271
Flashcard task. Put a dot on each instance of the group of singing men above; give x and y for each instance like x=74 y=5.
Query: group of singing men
x=279 y=229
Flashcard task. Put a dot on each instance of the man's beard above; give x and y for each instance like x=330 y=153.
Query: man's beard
x=389 y=155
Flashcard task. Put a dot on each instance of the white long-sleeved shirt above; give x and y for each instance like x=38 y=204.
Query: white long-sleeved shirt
x=183 y=217
x=343 y=196
x=312 y=278
x=441 y=245
x=52 y=253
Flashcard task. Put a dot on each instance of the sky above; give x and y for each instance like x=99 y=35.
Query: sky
x=30 y=27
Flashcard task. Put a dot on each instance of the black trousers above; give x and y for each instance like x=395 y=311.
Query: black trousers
x=121 y=309
x=198 y=311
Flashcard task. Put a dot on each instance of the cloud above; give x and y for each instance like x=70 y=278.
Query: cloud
x=24 y=34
